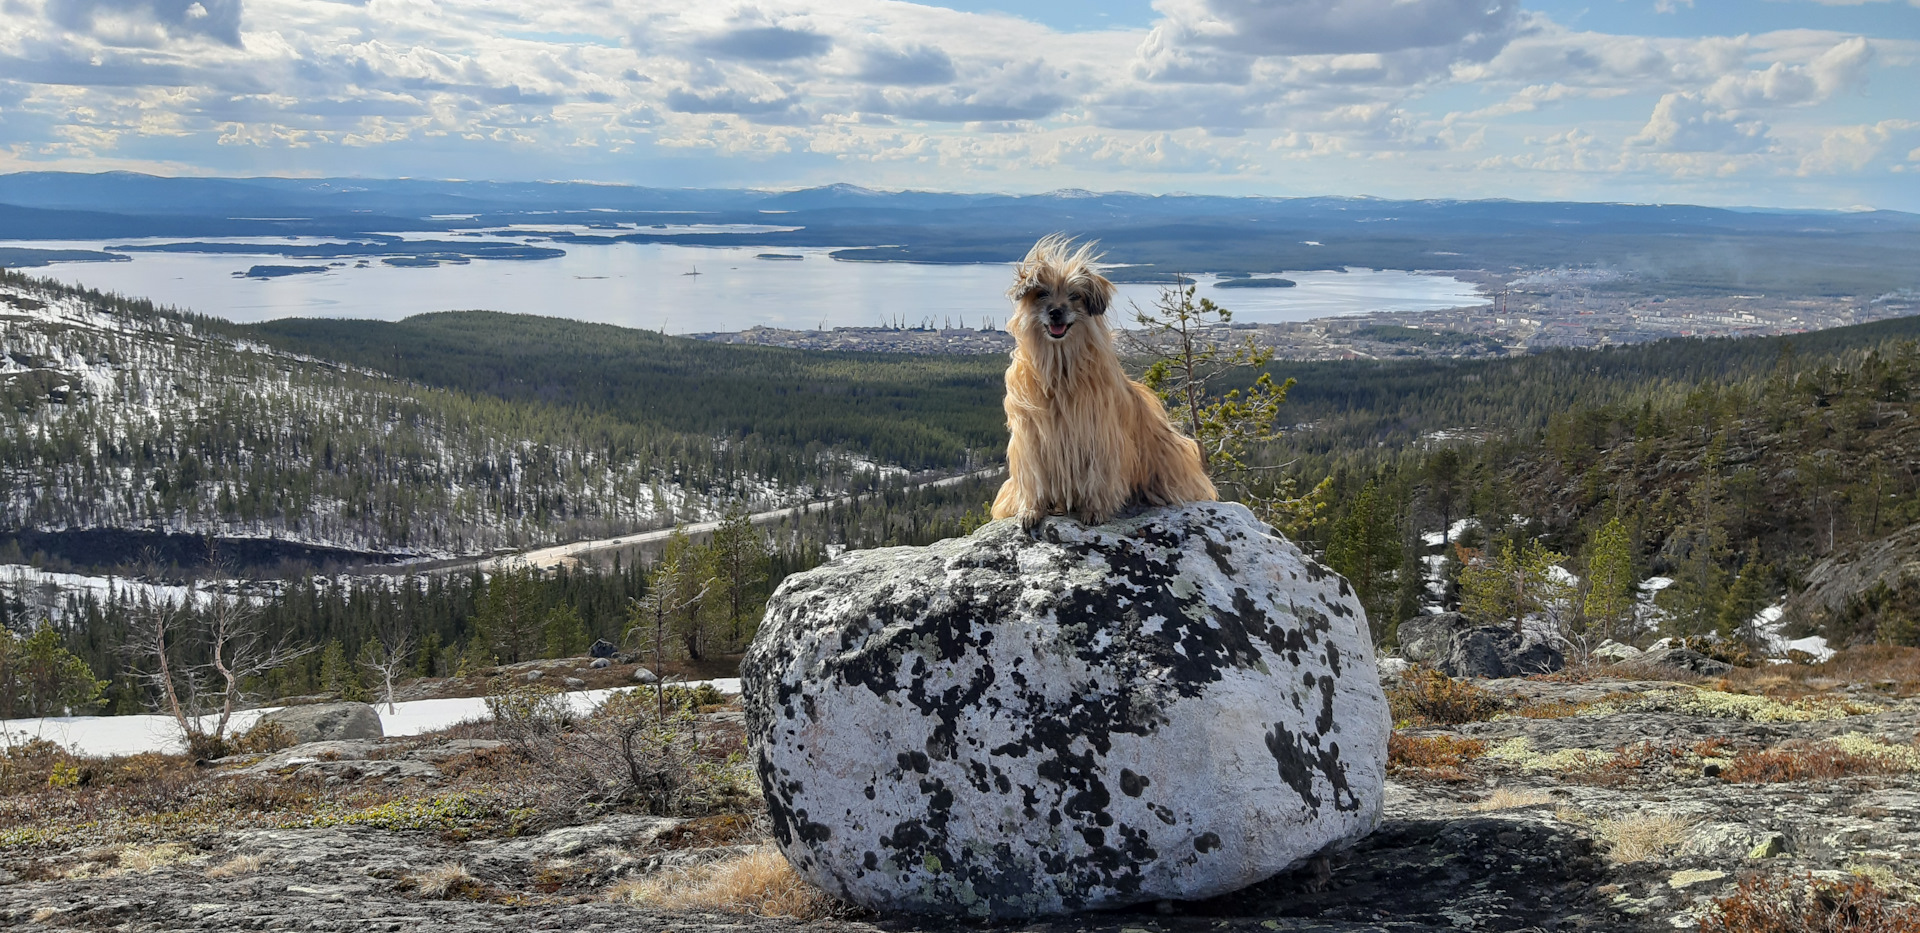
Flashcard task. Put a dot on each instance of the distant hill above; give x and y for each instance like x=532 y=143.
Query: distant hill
x=455 y=434
x=1680 y=248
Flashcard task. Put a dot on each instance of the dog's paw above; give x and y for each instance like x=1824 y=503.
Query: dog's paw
x=1030 y=522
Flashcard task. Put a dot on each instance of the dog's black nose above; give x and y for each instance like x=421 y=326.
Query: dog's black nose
x=1055 y=314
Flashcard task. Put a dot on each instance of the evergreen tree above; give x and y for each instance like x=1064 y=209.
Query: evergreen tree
x=1746 y=596
x=1365 y=548
x=507 y=622
x=1522 y=581
x=1611 y=582
x=562 y=634
x=739 y=554
x=335 y=676
x=40 y=677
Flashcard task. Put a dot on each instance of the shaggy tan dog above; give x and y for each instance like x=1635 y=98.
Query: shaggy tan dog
x=1086 y=440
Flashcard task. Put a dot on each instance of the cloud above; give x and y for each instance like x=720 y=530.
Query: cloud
x=1322 y=27
x=765 y=44
x=1781 y=84
x=917 y=65
x=727 y=100
x=1684 y=122
x=135 y=22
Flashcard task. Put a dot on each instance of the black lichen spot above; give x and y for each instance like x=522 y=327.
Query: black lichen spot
x=811 y=832
x=1132 y=784
x=1299 y=758
x=1324 y=721
x=1206 y=842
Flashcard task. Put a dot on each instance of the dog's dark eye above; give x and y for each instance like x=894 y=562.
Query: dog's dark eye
x=1040 y=293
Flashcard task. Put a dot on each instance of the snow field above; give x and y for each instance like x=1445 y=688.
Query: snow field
x=107 y=736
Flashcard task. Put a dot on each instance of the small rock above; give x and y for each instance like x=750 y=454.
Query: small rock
x=1611 y=650
x=1769 y=847
x=575 y=683
x=1393 y=667
x=1452 y=644
x=1693 y=876
x=643 y=676
x=599 y=663
x=530 y=676
x=602 y=650
x=1686 y=659
x=324 y=722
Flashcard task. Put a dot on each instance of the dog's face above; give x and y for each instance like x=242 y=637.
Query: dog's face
x=1056 y=292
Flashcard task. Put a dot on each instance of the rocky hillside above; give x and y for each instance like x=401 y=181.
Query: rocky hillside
x=116 y=415
x=1618 y=800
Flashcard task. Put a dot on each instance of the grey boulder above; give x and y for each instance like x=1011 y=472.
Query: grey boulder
x=1685 y=659
x=1454 y=645
x=326 y=722
x=1170 y=706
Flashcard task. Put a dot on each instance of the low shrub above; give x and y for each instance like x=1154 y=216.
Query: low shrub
x=639 y=748
x=1801 y=904
x=1802 y=760
x=264 y=738
x=1434 y=758
x=1428 y=697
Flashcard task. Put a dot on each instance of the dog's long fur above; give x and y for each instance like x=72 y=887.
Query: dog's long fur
x=1086 y=440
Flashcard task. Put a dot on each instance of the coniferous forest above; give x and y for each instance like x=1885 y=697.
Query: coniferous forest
x=1725 y=471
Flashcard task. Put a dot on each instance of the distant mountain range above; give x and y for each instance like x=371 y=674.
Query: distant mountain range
x=1151 y=237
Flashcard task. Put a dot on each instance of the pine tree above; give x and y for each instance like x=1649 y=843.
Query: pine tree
x=739 y=559
x=334 y=673
x=40 y=677
x=1746 y=596
x=562 y=634
x=1611 y=582
x=1522 y=581
x=1365 y=548
x=507 y=621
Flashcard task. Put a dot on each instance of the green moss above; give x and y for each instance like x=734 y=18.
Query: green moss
x=1904 y=757
x=1519 y=752
x=1717 y=704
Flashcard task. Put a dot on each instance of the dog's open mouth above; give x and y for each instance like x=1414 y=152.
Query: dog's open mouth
x=1057 y=331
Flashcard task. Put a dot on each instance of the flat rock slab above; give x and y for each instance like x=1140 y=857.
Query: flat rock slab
x=1175 y=705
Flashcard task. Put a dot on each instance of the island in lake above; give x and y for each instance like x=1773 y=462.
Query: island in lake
x=274 y=272
x=790 y=257
x=18 y=257
x=1254 y=283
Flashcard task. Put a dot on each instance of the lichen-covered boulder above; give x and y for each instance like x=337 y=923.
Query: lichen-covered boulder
x=1174 y=705
x=327 y=722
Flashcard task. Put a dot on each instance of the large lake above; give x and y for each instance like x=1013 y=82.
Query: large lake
x=646 y=286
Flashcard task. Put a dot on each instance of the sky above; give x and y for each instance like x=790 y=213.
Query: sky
x=1778 y=103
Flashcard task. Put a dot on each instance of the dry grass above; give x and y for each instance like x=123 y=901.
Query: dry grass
x=760 y=883
x=144 y=859
x=1432 y=758
x=1644 y=836
x=1803 y=905
x=447 y=882
x=1896 y=671
x=237 y=866
x=1428 y=697
x=1505 y=799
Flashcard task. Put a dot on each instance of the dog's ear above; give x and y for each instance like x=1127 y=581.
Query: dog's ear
x=1099 y=293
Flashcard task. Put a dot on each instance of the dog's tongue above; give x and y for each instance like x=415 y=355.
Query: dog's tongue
x=1058 y=330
